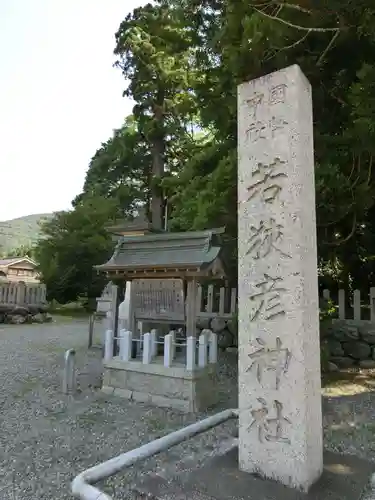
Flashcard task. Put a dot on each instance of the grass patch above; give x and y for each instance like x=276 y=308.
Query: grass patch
x=71 y=309
x=348 y=382
x=70 y=312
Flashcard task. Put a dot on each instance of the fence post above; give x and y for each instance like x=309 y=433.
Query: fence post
x=372 y=303
x=21 y=293
x=233 y=301
x=126 y=340
x=199 y=299
x=120 y=334
x=91 y=329
x=69 y=371
x=341 y=304
x=154 y=346
x=107 y=320
x=147 y=355
x=222 y=301
x=108 y=345
x=168 y=348
x=357 y=304
x=190 y=353
x=212 y=348
x=202 y=350
x=172 y=333
x=210 y=298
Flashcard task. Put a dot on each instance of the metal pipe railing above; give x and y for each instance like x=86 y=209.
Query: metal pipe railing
x=69 y=379
x=82 y=485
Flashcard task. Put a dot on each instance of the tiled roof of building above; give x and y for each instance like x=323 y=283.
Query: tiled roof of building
x=13 y=260
x=196 y=249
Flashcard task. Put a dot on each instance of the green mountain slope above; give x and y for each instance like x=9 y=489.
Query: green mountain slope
x=20 y=231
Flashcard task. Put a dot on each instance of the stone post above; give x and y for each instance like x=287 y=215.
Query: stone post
x=280 y=421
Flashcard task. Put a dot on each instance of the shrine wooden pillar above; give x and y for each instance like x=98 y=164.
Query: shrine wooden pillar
x=117 y=299
x=133 y=324
x=191 y=307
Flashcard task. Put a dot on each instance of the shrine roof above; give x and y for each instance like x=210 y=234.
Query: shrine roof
x=198 y=249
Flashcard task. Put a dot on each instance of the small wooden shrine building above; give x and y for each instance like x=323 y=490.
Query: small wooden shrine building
x=165 y=269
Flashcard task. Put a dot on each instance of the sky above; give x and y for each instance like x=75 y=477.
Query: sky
x=60 y=97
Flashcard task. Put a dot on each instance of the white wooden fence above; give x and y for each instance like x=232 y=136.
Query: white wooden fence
x=359 y=304
x=199 y=352
x=29 y=294
x=216 y=302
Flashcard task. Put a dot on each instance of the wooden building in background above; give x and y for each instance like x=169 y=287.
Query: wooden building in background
x=17 y=269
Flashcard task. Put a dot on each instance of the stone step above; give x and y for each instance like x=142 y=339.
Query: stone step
x=344 y=478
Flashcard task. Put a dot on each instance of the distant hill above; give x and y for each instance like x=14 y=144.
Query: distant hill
x=21 y=231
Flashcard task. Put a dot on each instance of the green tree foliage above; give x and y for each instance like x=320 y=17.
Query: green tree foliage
x=120 y=170
x=239 y=40
x=74 y=242
x=21 y=251
x=154 y=51
x=183 y=61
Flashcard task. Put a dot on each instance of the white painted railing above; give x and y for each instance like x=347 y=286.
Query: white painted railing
x=147 y=346
x=358 y=305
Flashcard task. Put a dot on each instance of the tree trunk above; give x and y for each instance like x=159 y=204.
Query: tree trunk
x=157 y=151
x=157 y=201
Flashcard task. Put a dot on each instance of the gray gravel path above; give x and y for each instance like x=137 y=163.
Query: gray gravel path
x=47 y=438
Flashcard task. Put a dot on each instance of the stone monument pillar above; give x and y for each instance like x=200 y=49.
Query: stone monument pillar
x=280 y=423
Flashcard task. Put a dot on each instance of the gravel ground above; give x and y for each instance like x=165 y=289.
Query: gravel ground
x=47 y=438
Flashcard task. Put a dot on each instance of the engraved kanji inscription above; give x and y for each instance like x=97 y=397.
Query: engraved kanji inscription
x=267 y=301
x=256 y=131
x=271 y=429
x=277 y=125
x=278 y=93
x=267 y=181
x=270 y=359
x=265 y=237
x=253 y=105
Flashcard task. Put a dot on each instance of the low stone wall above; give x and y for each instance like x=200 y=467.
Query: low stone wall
x=349 y=343
x=172 y=387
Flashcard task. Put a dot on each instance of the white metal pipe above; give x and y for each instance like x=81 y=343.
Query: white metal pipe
x=82 y=485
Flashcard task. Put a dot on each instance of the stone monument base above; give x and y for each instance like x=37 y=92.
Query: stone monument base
x=173 y=387
x=345 y=477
